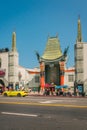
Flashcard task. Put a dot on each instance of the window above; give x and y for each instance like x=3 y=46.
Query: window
x=37 y=79
x=71 y=78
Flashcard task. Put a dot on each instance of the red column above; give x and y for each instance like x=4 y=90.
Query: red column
x=62 y=67
x=62 y=80
x=42 y=75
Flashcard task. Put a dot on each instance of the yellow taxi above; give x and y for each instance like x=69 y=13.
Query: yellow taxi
x=15 y=93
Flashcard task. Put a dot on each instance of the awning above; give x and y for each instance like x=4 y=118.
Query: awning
x=59 y=87
x=47 y=85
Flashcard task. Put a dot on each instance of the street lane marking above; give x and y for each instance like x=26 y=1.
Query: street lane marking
x=48 y=101
x=46 y=104
x=56 y=101
x=18 y=114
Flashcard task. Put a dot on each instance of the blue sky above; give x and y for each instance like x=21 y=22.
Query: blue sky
x=33 y=20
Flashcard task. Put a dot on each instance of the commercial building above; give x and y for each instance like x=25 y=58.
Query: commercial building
x=80 y=61
x=11 y=73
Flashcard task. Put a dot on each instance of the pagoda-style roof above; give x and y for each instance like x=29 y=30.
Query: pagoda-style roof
x=52 y=50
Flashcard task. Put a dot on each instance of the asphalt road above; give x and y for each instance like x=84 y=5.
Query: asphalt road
x=47 y=100
x=43 y=113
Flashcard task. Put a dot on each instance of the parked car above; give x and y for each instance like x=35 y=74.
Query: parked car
x=15 y=93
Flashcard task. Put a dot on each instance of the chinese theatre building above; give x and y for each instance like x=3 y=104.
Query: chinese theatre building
x=52 y=63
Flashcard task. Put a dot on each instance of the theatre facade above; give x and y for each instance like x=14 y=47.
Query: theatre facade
x=53 y=65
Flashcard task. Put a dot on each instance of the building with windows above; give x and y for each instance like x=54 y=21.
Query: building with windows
x=69 y=77
x=52 y=66
x=11 y=73
x=80 y=61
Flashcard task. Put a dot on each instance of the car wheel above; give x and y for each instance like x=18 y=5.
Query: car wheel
x=5 y=94
x=18 y=95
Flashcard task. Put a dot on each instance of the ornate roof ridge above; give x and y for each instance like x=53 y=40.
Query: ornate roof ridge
x=53 y=49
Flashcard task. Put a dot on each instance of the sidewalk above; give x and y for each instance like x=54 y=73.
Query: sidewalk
x=35 y=93
x=41 y=94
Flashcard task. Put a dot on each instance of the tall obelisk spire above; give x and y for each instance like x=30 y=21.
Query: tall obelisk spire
x=14 y=42
x=13 y=63
x=79 y=32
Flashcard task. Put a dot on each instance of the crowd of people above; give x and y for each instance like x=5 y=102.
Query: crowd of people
x=57 y=92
